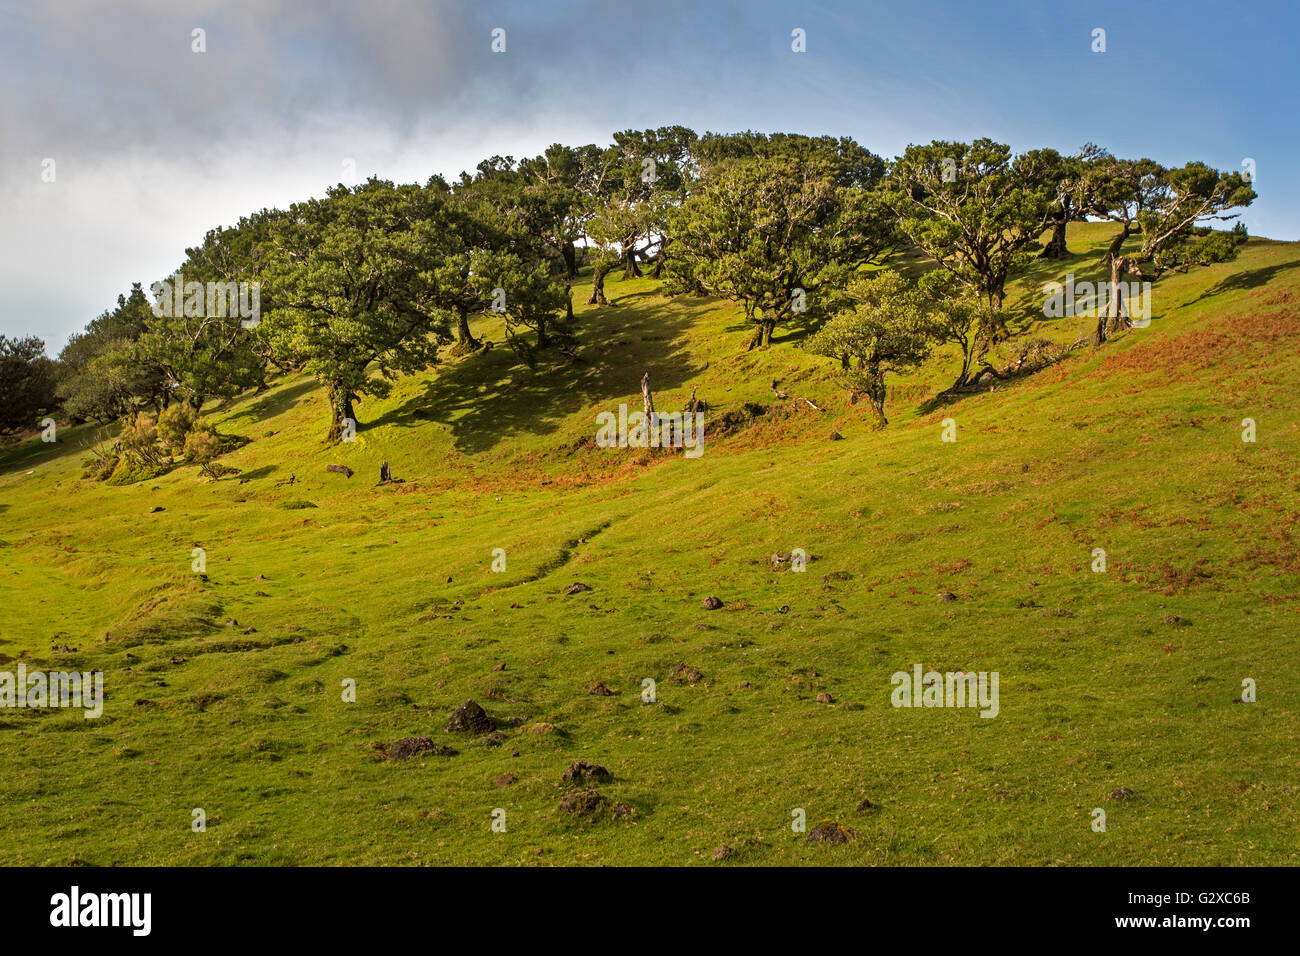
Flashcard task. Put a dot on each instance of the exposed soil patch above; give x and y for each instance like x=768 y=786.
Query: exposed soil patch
x=470 y=718
x=582 y=773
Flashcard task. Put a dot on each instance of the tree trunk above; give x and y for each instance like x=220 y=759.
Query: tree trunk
x=762 y=334
x=876 y=393
x=1115 y=318
x=465 y=341
x=598 y=286
x=340 y=408
x=1055 y=248
x=570 y=261
x=630 y=269
x=543 y=339
x=660 y=258
x=878 y=406
x=648 y=402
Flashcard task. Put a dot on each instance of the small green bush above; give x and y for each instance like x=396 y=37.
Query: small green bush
x=175 y=425
x=128 y=471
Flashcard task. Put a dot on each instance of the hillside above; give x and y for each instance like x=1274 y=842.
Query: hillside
x=1118 y=689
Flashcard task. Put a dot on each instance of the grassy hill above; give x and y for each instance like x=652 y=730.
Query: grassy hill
x=1118 y=689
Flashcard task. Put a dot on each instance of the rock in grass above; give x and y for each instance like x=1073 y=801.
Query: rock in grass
x=577 y=587
x=829 y=832
x=712 y=603
x=470 y=718
x=1123 y=793
x=722 y=852
x=343 y=470
x=582 y=773
x=600 y=690
x=408 y=747
x=825 y=698
x=582 y=802
x=503 y=780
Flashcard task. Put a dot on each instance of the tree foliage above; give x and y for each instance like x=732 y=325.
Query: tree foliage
x=974 y=208
x=355 y=284
x=27 y=383
x=1169 y=211
x=780 y=233
x=885 y=330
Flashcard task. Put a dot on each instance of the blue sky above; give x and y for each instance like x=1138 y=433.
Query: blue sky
x=154 y=143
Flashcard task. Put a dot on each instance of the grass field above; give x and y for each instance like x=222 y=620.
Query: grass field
x=1118 y=689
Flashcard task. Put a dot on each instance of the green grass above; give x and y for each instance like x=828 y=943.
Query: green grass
x=1134 y=448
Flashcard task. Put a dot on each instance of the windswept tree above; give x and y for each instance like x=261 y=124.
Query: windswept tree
x=531 y=297
x=1169 y=212
x=203 y=336
x=780 y=234
x=956 y=317
x=1061 y=175
x=502 y=255
x=885 y=330
x=644 y=176
x=612 y=230
x=973 y=208
x=560 y=180
x=353 y=275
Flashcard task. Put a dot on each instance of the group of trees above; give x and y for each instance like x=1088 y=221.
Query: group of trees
x=378 y=279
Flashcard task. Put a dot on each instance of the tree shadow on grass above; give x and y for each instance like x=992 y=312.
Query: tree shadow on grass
x=256 y=473
x=276 y=402
x=1246 y=280
x=490 y=395
x=72 y=440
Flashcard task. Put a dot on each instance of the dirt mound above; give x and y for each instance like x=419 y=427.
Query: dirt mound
x=582 y=773
x=408 y=747
x=470 y=718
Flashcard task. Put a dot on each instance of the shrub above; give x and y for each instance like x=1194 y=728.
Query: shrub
x=128 y=470
x=202 y=447
x=175 y=425
x=99 y=466
x=139 y=441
